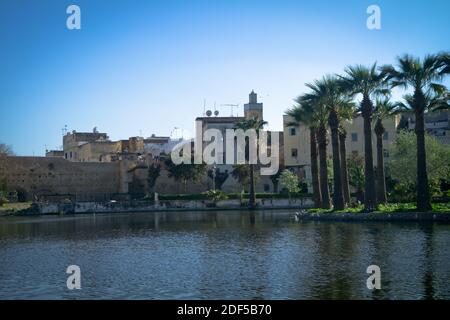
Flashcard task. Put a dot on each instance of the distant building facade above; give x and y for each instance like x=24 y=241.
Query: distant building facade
x=91 y=167
x=436 y=123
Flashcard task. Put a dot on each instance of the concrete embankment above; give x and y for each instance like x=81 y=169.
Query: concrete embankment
x=172 y=205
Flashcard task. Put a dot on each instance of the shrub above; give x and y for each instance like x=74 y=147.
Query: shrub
x=3 y=200
x=215 y=195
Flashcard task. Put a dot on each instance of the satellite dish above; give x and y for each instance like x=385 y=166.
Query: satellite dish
x=216 y=113
x=209 y=113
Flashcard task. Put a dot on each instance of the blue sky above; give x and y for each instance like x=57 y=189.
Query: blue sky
x=147 y=66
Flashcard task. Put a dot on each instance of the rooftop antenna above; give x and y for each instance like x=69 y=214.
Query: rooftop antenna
x=64 y=130
x=230 y=105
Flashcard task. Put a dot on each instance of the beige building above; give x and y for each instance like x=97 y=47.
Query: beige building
x=92 y=167
x=297 y=142
x=251 y=109
x=436 y=123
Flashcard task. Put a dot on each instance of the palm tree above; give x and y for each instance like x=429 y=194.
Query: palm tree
x=313 y=100
x=303 y=113
x=331 y=94
x=423 y=76
x=384 y=108
x=346 y=111
x=368 y=82
x=247 y=124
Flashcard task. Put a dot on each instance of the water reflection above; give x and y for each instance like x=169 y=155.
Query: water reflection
x=220 y=255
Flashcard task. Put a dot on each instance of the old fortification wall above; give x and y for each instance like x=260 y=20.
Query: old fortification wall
x=35 y=176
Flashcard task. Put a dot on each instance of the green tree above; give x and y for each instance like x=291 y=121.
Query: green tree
x=5 y=151
x=384 y=108
x=356 y=175
x=251 y=124
x=403 y=160
x=290 y=181
x=185 y=172
x=424 y=77
x=368 y=82
x=219 y=178
x=154 y=171
x=241 y=172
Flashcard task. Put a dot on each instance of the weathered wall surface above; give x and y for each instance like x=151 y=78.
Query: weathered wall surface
x=108 y=207
x=41 y=175
x=99 y=181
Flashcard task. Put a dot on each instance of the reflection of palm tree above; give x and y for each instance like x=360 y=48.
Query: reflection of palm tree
x=428 y=276
x=424 y=77
x=248 y=124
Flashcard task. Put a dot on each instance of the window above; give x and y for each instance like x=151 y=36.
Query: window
x=294 y=153
x=385 y=153
x=65 y=155
x=266 y=188
x=386 y=136
x=355 y=153
x=70 y=154
x=292 y=131
x=354 y=136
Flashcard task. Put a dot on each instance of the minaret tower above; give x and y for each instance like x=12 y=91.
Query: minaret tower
x=253 y=108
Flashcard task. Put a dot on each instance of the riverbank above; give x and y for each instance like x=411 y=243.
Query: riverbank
x=374 y=216
x=47 y=208
x=301 y=209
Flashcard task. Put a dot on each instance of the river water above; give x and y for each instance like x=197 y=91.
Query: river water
x=220 y=255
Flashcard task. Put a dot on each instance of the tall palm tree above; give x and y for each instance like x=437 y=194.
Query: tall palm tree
x=344 y=167
x=302 y=113
x=347 y=112
x=368 y=82
x=315 y=100
x=423 y=76
x=384 y=108
x=330 y=93
x=256 y=124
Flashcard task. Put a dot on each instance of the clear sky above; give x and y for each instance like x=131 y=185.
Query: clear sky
x=147 y=66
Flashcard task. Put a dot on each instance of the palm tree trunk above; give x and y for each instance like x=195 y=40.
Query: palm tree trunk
x=252 y=201
x=317 y=194
x=338 y=199
x=345 y=183
x=381 y=181
x=322 y=142
x=369 y=194
x=423 y=189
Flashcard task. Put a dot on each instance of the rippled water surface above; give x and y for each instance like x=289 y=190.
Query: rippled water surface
x=220 y=255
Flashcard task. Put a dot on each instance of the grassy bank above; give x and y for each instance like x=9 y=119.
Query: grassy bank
x=388 y=208
x=14 y=207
